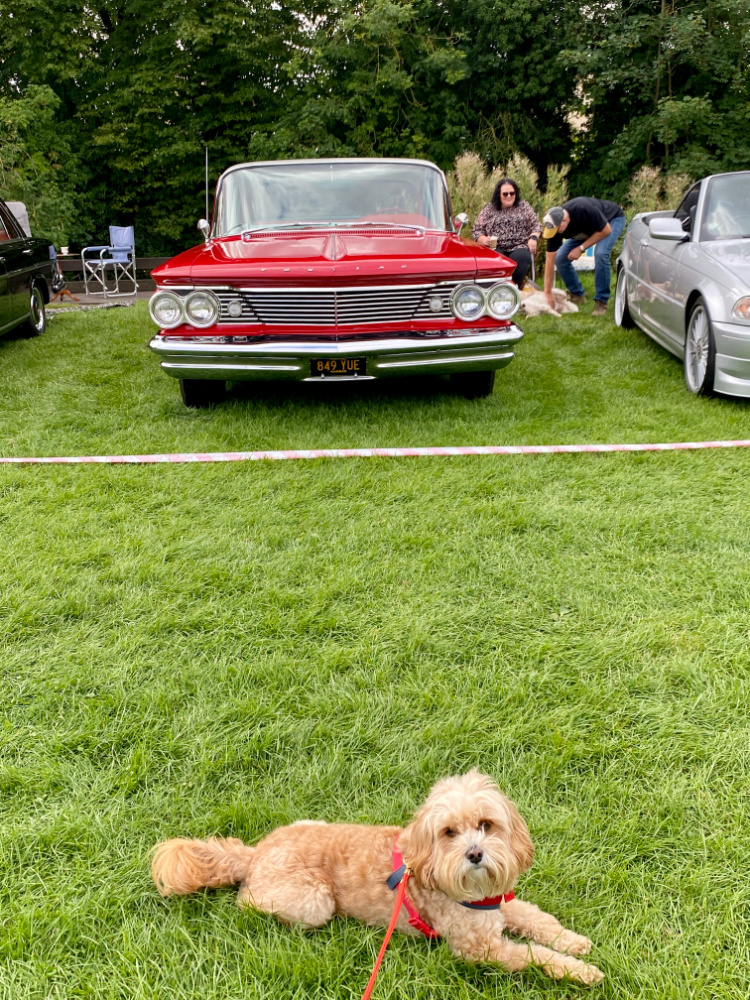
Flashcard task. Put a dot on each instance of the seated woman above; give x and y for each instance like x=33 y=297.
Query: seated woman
x=513 y=223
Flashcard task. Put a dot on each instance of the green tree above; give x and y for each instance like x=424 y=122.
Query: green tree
x=664 y=83
x=147 y=87
x=374 y=80
x=37 y=163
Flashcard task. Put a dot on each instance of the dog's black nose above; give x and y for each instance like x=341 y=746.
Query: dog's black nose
x=475 y=855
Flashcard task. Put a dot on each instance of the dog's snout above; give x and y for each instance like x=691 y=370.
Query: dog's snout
x=475 y=854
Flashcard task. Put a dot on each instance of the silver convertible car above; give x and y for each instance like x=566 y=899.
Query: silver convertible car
x=683 y=277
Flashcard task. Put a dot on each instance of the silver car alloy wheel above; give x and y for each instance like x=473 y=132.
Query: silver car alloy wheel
x=620 y=297
x=36 y=310
x=697 y=349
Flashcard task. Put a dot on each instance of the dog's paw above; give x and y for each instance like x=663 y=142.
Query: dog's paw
x=589 y=975
x=567 y=967
x=572 y=944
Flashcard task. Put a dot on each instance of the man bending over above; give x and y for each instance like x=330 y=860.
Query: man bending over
x=588 y=222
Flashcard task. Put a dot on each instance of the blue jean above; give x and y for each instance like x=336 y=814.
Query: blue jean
x=602 y=268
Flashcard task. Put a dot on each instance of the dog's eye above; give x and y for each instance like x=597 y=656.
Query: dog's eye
x=449 y=832
x=485 y=826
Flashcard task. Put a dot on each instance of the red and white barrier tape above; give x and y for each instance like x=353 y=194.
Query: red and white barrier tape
x=279 y=456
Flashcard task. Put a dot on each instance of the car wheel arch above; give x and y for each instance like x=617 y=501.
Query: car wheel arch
x=689 y=303
x=42 y=283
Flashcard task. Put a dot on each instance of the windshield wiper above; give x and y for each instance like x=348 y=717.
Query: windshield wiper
x=379 y=225
x=278 y=225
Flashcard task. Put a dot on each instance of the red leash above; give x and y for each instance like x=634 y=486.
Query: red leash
x=396 y=910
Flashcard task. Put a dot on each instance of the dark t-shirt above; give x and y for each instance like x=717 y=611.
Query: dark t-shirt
x=587 y=216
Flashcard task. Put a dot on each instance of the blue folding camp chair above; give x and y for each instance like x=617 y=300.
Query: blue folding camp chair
x=117 y=258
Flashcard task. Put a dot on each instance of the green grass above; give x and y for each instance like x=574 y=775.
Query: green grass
x=223 y=648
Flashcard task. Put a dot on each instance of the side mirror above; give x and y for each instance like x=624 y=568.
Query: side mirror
x=204 y=227
x=667 y=229
x=460 y=220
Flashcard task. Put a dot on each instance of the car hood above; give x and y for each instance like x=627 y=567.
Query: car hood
x=336 y=258
x=732 y=256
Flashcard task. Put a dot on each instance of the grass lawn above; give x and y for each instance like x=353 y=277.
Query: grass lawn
x=201 y=649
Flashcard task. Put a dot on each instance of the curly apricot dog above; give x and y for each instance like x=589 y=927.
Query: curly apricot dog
x=465 y=848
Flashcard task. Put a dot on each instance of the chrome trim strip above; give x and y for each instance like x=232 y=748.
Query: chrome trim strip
x=184 y=366
x=445 y=361
x=332 y=288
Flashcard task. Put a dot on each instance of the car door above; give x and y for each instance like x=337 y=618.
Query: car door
x=18 y=251
x=662 y=264
x=5 y=315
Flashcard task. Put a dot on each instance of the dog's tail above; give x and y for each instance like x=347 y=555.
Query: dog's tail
x=181 y=866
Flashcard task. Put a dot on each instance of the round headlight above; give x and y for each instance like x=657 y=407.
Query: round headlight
x=166 y=310
x=201 y=309
x=468 y=302
x=503 y=300
x=741 y=309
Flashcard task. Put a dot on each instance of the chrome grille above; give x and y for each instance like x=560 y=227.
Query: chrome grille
x=338 y=307
x=231 y=300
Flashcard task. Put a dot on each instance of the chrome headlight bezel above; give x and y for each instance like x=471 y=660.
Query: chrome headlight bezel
x=463 y=290
x=741 y=310
x=212 y=301
x=160 y=296
x=503 y=286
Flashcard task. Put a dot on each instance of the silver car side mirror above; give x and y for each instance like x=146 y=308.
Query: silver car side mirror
x=667 y=229
x=204 y=227
x=461 y=219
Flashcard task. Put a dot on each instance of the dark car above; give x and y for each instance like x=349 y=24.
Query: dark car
x=27 y=270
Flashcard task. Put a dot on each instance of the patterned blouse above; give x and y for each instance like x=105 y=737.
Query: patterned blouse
x=512 y=226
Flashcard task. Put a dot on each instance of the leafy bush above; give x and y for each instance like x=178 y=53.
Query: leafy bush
x=471 y=184
x=652 y=191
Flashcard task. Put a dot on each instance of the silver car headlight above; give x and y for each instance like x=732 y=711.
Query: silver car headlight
x=503 y=300
x=165 y=309
x=741 y=310
x=201 y=309
x=468 y=302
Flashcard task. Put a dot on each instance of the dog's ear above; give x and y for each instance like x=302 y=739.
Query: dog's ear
x=520 y=839
x=417 y=843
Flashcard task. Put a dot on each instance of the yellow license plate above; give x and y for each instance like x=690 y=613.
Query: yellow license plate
x=338 y=367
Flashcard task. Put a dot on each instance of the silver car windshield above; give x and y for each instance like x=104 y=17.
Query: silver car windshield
x=726 y=212
x=299 y=195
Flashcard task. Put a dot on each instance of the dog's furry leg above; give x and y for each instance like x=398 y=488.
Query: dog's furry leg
x=514 y=957
x=306 y=899
x=181 y=866
x=527 y=920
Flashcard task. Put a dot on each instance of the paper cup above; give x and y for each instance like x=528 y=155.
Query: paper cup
x=493 y=242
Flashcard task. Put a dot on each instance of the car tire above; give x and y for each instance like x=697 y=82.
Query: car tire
x=622 y=311
x=36 y=322
x=474 y=385
x=199 y=393
x=700 y=351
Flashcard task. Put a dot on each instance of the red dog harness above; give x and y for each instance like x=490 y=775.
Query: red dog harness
x=400 y=877
x=415 y=921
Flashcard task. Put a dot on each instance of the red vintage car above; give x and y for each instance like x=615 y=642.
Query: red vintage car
x=321 y=270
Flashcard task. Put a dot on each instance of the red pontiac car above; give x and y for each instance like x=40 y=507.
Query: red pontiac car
x=322 y=270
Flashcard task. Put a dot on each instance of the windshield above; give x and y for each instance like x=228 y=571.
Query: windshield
x=726 y=214
x=332 y=193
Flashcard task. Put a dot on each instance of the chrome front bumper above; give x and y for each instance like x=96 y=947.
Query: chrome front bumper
x=221 y=358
